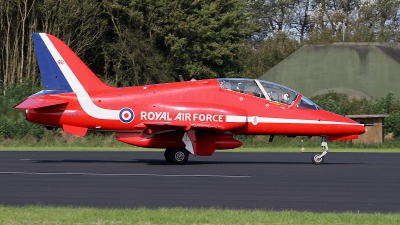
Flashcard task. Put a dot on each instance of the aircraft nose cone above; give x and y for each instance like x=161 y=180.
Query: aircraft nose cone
x=356 y=127
x=362 y=129
x=344 y=125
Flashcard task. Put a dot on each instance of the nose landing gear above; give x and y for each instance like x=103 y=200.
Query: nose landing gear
x=318 y=158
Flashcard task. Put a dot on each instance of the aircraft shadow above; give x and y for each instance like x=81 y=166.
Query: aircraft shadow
x=162 y=162
x=189 y=163
x=82 y=161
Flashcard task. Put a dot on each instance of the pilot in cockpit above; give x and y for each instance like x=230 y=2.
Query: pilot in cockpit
x=240 y=87
x=285 y=98
x=227 y=85
x=273 y=95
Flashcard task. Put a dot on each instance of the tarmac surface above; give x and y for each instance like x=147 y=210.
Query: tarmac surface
x=357 y=182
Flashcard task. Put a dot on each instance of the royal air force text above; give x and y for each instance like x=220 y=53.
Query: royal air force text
x=165 y=116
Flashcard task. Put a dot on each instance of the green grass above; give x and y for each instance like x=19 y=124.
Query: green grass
x=315 y=149
x=60 y=141
x=62 y=215
x=107 y=139
x=125 y=147
x=128 y=148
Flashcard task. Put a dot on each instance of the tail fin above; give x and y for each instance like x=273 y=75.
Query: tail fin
x=61 y=69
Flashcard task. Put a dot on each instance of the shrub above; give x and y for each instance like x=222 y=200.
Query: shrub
x=343 y=105
x=19 y=128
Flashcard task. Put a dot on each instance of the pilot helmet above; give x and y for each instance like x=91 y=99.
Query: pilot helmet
x=285 y=97
x=227 y=85
x=240 y=87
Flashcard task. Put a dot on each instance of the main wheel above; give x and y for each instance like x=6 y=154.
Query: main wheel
x=316 y=160
x=167 y=154
x=179 y=156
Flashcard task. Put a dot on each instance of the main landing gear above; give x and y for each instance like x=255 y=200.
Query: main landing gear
x=318 y=158
x=176 y=155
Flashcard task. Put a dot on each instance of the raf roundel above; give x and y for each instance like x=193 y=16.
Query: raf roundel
x=126 y=115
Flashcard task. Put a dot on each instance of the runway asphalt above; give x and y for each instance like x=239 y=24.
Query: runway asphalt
x=357 y=182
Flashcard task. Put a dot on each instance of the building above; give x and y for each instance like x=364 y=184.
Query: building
x=374 y=132
x=370 y=70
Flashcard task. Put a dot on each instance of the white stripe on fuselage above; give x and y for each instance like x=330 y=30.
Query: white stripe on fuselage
x=241 y=119
x=83 y=97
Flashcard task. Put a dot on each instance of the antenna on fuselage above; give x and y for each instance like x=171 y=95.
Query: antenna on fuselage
x=181 y=78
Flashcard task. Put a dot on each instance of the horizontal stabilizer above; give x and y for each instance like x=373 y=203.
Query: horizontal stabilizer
x=38 y=103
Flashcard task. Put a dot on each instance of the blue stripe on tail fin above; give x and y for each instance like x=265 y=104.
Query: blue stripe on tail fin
x=52 y=77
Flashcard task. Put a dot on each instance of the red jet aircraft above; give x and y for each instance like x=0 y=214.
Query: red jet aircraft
x=192 y=117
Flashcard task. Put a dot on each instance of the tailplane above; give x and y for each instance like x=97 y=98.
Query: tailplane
x=61 y=69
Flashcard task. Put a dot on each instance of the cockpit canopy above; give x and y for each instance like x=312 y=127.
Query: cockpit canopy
x=267 y=90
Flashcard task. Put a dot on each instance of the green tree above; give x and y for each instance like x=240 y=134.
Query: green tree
x=257 y=59
x=354 y=20
x=130 y=54
x=203 y=38
x=78 y=23
x=155 y=41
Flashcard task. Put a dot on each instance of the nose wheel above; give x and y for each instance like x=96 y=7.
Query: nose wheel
x=318 y=158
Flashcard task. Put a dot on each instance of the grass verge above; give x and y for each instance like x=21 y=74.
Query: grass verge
x=60 y=141
x=64 y=215
x=242 y=149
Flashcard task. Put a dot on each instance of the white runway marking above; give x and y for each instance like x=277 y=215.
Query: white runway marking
x=129 y=174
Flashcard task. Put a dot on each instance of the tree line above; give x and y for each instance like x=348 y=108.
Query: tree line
x=127 y=42
x=135 y=42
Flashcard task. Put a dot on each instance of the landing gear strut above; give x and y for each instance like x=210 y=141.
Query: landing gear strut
x=318 y=158
x=176 y=155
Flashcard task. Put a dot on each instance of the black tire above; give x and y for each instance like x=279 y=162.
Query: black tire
x=317 y=161
x=167 y=155
x=179 y=156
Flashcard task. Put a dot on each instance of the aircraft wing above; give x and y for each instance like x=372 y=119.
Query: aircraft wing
x=193 y=116
x=180 y=126
x=185 y=116
x=157 y=127
x=164 y=126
